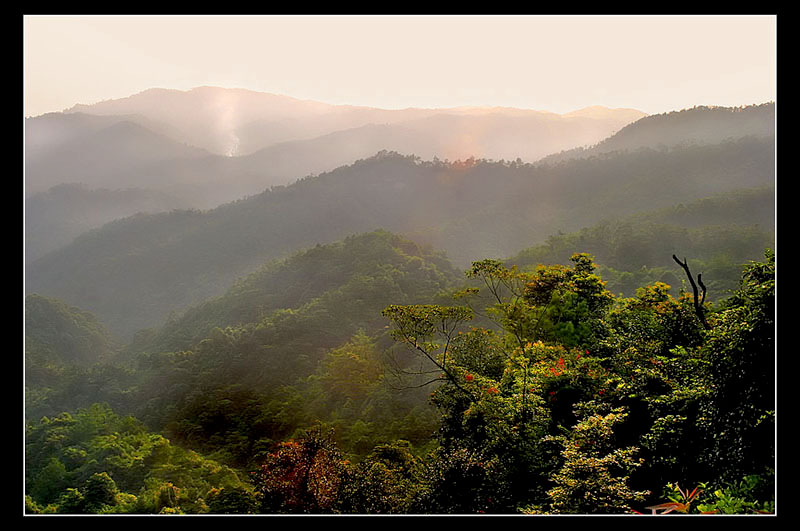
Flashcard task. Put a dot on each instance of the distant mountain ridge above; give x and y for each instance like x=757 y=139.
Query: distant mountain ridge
x=700 y=125
x=239 y=121
x=99 y=152
x=65 y=211
x=176 y=142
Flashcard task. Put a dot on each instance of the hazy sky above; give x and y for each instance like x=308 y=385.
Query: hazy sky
x=553 y=63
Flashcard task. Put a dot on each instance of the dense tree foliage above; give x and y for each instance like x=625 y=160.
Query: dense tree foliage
x=550 y=395
x=741 y=353
x=68 y=359
x=95 y=461
x=602 y=417
x=299 y=342
x=64 y=335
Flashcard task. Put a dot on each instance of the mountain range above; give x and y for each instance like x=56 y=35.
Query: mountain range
x=227 y=293
x=135 y=271
x=208 y=146
x=236 y=122
x=218 y=145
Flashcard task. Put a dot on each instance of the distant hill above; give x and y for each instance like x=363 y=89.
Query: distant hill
x=99 y=152
x=55 y=217
x=471 y=210
x=496 y=135
x=212 y=117
x=699 y=125
x=58 y=336
x=366 y=266
x=717 y=235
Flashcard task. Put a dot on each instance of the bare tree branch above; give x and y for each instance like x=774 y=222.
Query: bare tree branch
x=698 y=303
x=702 y=286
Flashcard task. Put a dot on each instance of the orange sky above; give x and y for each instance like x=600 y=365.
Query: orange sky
x=553 y=63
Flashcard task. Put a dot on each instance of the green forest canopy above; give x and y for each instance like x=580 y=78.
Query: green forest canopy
x=565 y=365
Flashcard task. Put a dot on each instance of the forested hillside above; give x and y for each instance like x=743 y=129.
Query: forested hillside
x=718 y=234
x=272 y=329
x=699 y=125
x=569 y=400
x=56 y=217
x=470 y=209
x=94 y=461
x=412 y=273
x=64 y=336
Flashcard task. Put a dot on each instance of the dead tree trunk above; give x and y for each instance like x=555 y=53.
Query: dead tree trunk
x=698 y=300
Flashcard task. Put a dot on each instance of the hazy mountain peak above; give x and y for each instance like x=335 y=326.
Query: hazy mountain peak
x=236 y=122
x=601 y=112
x=498 y=109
